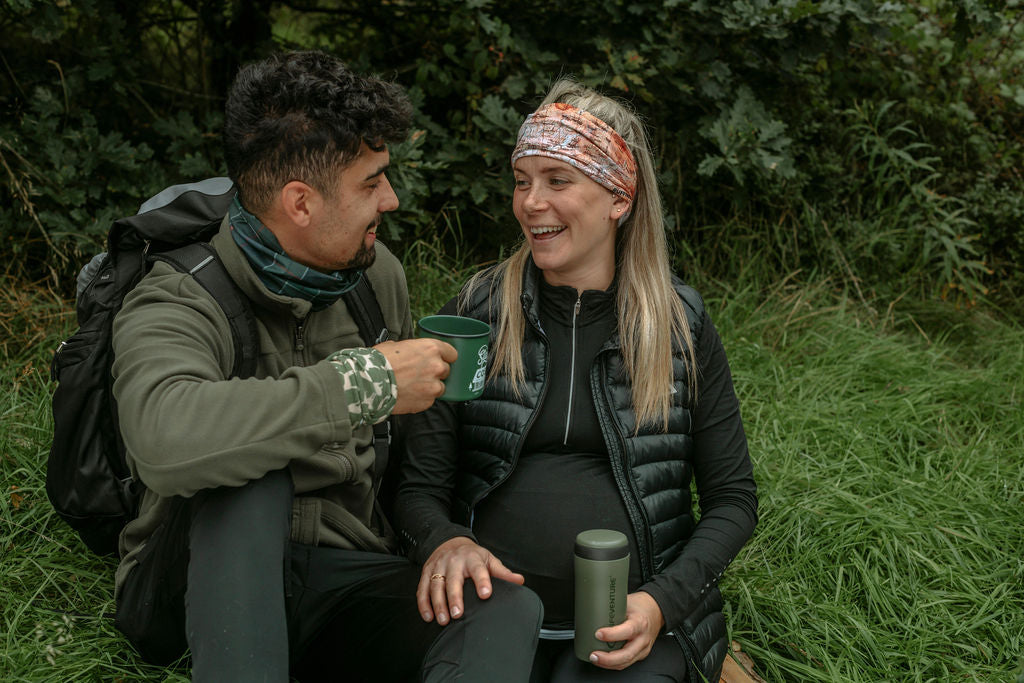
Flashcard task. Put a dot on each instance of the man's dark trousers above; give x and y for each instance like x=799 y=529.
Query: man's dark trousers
x=222 y=575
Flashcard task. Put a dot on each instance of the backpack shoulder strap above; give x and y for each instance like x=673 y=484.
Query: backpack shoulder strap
x=199 y=260
x=362 y=304
x=365 y=309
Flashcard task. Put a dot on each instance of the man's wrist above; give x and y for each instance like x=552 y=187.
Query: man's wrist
x=369 y=384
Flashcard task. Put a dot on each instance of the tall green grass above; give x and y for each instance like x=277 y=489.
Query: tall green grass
x=55 y=594
x=888 y=446
x=890 y=464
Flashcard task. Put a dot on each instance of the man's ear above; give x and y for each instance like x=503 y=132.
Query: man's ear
x=300 y=203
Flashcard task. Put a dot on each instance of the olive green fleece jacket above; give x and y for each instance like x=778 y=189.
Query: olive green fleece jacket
x=187 y=426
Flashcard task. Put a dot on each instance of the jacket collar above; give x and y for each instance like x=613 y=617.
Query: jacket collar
x=531 y=303
x=245 y=277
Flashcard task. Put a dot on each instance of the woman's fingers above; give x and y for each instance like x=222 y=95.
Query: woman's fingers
x=627 y=630
x=619 y=659
x=498 y=570
x=453 y=590
x=636 y=645
x=438 y=589
x=640 y=629
x=439 y=594
x=481 y=576
x=423 y=596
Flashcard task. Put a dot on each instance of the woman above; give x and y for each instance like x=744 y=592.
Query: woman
x=608 y=390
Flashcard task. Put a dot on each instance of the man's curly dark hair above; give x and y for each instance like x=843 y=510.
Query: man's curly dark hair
x=304 y=116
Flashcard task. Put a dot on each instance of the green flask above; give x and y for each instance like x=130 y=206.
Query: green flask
x=602 y=573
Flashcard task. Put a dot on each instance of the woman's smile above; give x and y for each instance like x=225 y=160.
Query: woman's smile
x=544 y=232
x=569 y=222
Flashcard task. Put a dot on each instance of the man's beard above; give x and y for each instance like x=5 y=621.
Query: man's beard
x=363 y=258
x=365 y=255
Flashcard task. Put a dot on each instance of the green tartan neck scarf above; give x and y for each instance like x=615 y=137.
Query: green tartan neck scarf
x=279 y=273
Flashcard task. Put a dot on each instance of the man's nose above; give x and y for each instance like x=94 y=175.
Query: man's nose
x=388 y=200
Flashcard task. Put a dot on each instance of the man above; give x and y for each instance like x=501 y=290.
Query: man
x=259 y=539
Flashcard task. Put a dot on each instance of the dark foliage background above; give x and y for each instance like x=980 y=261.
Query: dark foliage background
x=876 y=144
x=814 y=156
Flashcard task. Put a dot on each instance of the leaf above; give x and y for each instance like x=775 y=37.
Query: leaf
x=489 y=24
x=494 y=115
x=709 y=165
x=16 y=498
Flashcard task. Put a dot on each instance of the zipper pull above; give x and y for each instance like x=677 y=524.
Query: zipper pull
x=300 y=342
x=579 y=303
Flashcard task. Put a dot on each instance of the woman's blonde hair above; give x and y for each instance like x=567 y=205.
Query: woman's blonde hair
x=645 y=299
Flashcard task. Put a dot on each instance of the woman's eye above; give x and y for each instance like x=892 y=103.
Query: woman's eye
x=558 y=181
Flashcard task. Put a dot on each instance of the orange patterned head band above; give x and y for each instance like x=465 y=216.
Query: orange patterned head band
x=563 y=132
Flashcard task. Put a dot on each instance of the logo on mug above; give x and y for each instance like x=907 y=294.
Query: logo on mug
x=477 y=383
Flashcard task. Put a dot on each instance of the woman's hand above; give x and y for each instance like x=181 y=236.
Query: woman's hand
x=457 y=559
x=643 y=623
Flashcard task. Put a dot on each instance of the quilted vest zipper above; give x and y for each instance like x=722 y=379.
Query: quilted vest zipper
x=616 y=443
x=572 y=369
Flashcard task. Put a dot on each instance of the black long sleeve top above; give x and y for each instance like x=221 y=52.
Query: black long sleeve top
x=563 y=483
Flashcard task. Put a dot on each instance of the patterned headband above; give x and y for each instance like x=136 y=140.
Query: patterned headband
x=563 y=132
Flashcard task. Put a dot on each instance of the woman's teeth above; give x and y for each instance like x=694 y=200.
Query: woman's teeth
x=546 y=228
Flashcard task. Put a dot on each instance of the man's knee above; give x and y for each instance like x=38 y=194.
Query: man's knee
x=233 y=513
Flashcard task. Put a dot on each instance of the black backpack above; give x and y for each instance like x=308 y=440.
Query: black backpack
x=87 y=479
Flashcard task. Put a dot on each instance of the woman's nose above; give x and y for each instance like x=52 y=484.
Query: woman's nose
x=534 y=199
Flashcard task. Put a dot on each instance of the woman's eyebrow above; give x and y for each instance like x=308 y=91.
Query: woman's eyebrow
x=553 y=168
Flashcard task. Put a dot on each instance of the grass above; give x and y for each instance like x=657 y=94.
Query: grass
x=891 y=471
x=888 y=447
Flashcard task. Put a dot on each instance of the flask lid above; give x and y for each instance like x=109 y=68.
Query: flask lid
x=601 y=544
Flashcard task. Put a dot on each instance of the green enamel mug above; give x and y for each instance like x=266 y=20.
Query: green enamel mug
x=469 y=336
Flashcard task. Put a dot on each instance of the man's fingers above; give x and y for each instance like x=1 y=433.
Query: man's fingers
x=420 y=366
x=440 y=368
x=448 y=352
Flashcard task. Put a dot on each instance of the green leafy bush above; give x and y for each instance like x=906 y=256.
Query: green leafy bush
x=752 y=107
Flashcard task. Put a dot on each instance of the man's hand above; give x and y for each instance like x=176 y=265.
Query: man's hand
x=457 y=559
x=420 y=366
x=642 y=625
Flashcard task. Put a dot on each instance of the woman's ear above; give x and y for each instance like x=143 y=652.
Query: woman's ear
x=621 y=208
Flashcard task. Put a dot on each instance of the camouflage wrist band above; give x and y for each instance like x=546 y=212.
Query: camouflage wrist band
x=370 y=387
